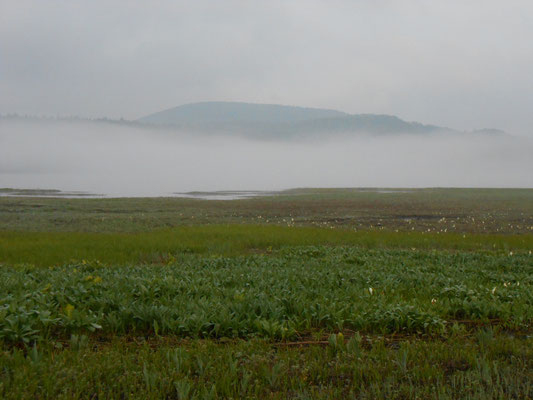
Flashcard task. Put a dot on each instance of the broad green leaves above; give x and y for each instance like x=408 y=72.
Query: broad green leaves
x=278 y=296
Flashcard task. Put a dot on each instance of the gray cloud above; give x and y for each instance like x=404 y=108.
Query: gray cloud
x=464 y=64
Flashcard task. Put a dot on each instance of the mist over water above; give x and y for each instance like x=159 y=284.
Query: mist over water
x=120 y=160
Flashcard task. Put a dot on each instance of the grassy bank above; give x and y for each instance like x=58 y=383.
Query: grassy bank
x=485 y=365
x=56 y=248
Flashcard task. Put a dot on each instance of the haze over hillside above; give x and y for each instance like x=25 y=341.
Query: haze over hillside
x=278 y=121
x=133 y=158
x=269 y=122
x=223 y=112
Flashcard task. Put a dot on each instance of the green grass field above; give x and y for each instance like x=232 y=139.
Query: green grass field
x=495 y=211
x=57 y=248
x=312 y=294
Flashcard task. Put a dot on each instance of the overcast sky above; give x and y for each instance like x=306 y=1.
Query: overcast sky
x=460 y=63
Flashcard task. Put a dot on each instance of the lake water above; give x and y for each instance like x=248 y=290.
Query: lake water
x=52 y=193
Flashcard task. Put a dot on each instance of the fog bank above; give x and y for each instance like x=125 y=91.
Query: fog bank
x=127 y=161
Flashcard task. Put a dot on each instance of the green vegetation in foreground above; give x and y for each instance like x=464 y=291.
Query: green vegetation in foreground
x=285 y=295
x=249 y=299
x=492 y=211
x=484 y=365
x=413 y=323
x=56 y=248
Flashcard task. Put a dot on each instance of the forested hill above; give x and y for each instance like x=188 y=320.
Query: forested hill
x=273 y=120
x=264 y=121
x=236 y=112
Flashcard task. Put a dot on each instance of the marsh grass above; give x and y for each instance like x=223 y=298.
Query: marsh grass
x=254 y=369
x=508 y=211
x=269 y=298
x=56 y=248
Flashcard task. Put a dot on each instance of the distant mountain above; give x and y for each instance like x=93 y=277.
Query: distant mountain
x=488 y=131
x=273 y=120
x=235 y=112
x=368 y=123
x=266 y=121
